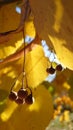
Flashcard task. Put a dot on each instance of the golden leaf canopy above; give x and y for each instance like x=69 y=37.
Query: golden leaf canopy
x=50 y=21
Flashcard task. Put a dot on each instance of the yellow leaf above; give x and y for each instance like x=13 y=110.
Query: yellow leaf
x=63 y=51
x=11 y=46
x=8 y=73
x=47 y=15
x=35 y=67
x=9 y=20
x=30 y=117
x=53 y=21
x=30 y=29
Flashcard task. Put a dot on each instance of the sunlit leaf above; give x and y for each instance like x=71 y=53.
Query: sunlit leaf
x=35 y=116
x=29 y=28
x=50 y=21
x=9 y=20
x=53 y=21
x=62 y=48
x=8 y=73
x=36 y=65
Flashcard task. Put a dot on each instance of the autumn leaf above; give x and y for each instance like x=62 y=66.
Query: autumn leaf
x=53 y=22
x=23 y=64
x=29 y=28
x=16 y=116
x=34 y=114
x=13 y=41
x=35 y=67
x=9 y=18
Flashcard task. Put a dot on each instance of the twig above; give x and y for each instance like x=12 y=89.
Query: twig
x=19 y=54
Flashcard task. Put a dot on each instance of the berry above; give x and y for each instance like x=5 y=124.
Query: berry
x=29 y=99
x=50 y=70
x=22 y=93
x=19 y=101
x=59 y=67
x=12 y=96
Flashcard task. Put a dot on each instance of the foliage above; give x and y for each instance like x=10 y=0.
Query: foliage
x=38 y=20
x=28 y=116
x=54 y=24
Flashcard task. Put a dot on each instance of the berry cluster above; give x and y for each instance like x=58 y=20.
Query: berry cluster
x=52 y=70
x=62 y=104
x=22 y=96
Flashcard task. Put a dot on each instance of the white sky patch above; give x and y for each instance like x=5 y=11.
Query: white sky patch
x=28 y=39
x=18 y=9
x=51 y=57
x=43 y=42
x=50 y=77
x=49 y=54
x=47 y=51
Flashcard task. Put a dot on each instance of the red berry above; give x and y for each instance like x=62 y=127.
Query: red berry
x=50 y=70
x=19 y=101
x=29 y=99
x=12 y=96
x=59 y=67
x=22 y=93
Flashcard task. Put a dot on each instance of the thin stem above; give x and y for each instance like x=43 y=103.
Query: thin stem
x=24 y=19
x=23 y=61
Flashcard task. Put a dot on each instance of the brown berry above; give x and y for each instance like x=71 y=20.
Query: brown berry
x=19 y=101
x=12 y=96
x=50 y=70
x=59 y=67
x=29 y=99
x=22 y=93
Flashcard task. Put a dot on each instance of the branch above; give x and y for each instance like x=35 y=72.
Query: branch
x=19 y=54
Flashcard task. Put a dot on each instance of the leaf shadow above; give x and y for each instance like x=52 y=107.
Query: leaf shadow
x=60 y=23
